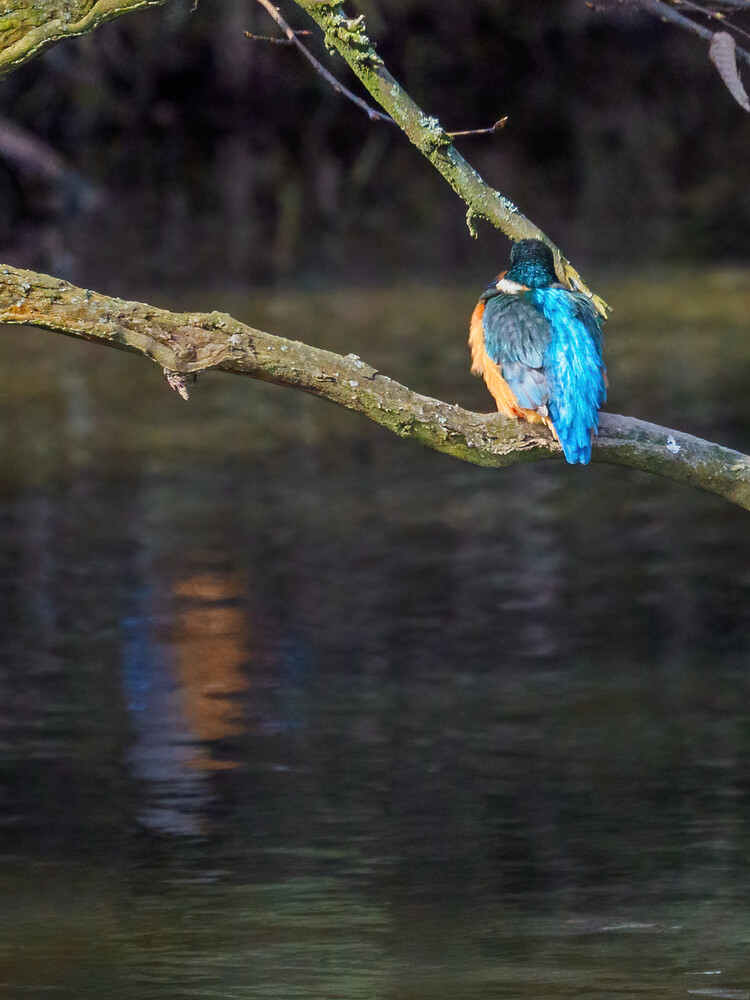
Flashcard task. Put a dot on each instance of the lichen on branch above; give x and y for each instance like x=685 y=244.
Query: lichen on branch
x=27 y=27
x=348 y=38
x=187 y=343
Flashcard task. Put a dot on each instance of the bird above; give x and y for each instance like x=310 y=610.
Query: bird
x=538 y=347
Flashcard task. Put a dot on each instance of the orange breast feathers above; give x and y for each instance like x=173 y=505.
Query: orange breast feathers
x=482 y=364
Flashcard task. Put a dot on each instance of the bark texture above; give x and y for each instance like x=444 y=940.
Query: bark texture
x=347 y=37
x=184 y=344
x=27 y=27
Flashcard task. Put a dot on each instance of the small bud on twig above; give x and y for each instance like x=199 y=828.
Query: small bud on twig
x=493 y=130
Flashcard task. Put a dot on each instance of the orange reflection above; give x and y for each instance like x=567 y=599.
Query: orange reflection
x=210 y=642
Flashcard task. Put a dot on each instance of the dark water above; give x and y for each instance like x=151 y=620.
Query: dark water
x=292 y=709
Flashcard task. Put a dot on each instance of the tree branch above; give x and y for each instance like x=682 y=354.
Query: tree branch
x=27 y=27
x=27 y=30
x=657 y=8
x=187 y=343
x=714 y=15
x=492 y=130
x=348 y=38
x=292 y=39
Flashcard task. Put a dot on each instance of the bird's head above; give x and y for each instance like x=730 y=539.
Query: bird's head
x=532 y=264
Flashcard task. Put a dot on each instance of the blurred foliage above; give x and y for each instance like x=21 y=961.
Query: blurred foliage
x=195 y=151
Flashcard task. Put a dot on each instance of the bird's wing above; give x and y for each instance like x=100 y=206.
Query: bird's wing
x=583 y=309
x=516 y=337
x=574 y=368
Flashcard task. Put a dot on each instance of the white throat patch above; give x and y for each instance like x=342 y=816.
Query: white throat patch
x=510 y=287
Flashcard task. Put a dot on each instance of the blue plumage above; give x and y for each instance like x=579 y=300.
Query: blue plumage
x=574 y=368
x=516 y=337
x=546 y=343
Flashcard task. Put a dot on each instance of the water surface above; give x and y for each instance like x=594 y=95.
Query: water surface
x=290 y=708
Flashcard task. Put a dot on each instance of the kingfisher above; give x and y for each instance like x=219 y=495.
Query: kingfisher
x=538 y=347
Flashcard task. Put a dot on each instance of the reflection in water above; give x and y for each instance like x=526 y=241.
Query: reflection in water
x=210 y=645
x=183 y=669
x=343 y=718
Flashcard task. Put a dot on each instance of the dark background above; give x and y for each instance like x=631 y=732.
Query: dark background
x=192 y=153
x=292 y=709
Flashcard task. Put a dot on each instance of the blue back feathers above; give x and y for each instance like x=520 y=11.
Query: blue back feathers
x=574 y=368
x=547 y=342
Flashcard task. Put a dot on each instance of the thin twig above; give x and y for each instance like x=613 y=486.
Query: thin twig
x=666 y=13
x=428 y=136
x=273 y=39
x=712 y=15
x=493 y=130
x=292 y=38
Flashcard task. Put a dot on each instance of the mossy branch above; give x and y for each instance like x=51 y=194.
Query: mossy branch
x=187 y=343
x=347 y=37
x=27 y=27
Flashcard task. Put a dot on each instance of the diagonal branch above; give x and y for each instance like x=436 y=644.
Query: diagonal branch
x=28 y=27
x=292 y=37
x=347 y=37
x=187 y=343
x=657 y=8
x=714 y=15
